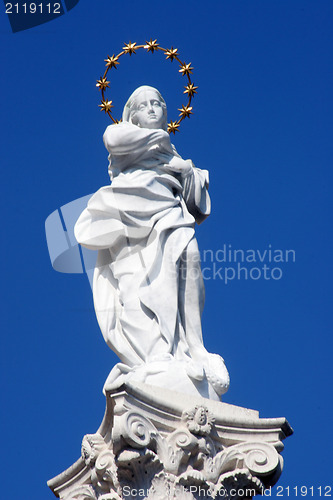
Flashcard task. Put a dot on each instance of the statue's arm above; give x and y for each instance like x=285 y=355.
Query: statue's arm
x=125 y=138
x=195 y=193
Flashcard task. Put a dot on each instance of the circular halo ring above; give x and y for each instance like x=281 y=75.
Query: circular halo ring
x=151 y=46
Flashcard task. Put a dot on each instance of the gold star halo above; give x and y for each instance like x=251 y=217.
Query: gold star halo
x=185 y=69
x=106 y=105
x=130 y=48
x=190 y=89
x=150 y=46
x=171 y=53
x=112 y=62
x=173 y=127
x=185 y=111
x=102 y=83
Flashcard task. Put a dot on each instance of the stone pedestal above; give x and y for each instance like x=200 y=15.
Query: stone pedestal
x=158 y=444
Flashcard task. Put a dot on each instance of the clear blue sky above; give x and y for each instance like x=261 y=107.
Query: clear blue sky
x=262 y=125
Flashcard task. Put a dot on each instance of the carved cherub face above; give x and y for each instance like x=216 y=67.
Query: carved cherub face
x=148 y=111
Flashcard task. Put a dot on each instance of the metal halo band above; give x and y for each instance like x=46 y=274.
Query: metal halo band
x=151 y=46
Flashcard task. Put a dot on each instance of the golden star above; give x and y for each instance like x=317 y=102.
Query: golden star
x=106 y=105
x=185 y=69
x=190 y=89
x=152 y=45
x=171 y=53
x=185 y=111
x=102 y=83
x=173 y=127
x=129 y=48
x=111 y=62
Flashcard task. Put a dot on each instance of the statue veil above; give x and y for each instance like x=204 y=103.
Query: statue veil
x=130 y=104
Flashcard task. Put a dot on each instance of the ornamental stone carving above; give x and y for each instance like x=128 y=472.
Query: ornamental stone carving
x=151 y=448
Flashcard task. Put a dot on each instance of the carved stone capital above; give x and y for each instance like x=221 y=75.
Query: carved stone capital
x=173 y=446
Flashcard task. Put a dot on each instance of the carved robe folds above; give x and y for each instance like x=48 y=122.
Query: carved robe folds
x=148 y=287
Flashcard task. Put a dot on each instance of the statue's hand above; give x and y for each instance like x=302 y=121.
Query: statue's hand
x=162 y=138
x=177 y=164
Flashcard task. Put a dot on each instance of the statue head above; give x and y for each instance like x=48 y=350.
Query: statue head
x=146 y=108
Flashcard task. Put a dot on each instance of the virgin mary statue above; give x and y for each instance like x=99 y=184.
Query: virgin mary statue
x=148 y=287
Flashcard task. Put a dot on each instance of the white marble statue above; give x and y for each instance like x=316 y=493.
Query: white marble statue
x=148 y=288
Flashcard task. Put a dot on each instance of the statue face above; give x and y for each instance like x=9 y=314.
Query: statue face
x=148 y=110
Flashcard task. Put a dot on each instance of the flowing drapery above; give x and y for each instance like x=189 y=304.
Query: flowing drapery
x=148 y=288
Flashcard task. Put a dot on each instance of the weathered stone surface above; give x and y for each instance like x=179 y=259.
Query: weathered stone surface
x=159 y=444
